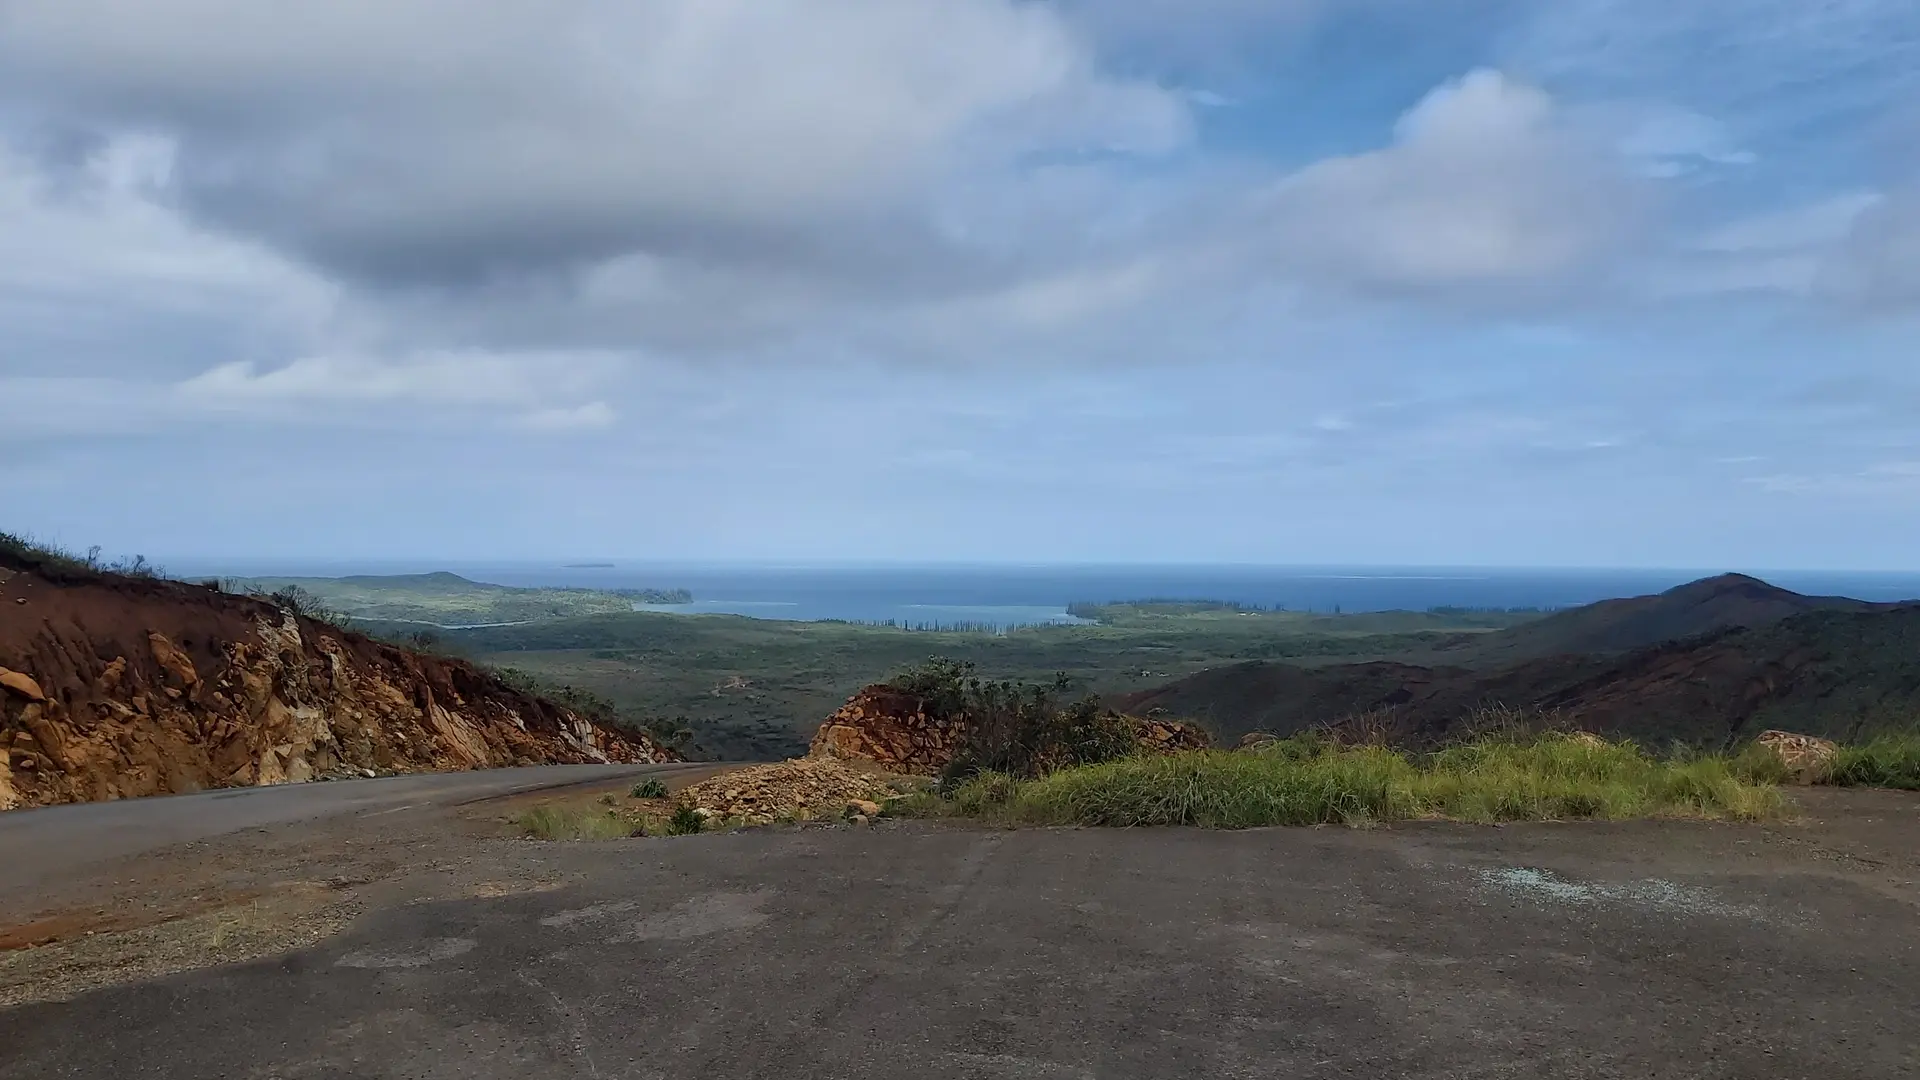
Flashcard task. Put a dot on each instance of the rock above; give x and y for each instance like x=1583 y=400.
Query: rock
x=46 y=736
x=22 y=684
x=1170 y=736
x=1809 y=759
x=863 y=808
x=109 y=681
x=175 y=663
x=802 y=788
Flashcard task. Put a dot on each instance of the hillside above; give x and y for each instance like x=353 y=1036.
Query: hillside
x=1837 y=673
x=114 y=686
x=1707 y=606
x=448 y=600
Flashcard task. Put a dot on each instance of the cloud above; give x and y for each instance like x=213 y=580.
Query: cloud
x=1484 y=182
x=441 y=142
x=445 y=378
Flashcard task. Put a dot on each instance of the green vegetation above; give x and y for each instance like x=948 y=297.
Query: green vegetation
x=650 y=788
x=552 y=821
x=58 y=563
x=1023 y=729
x=1309 y=781
x=685 y=821
x=757 y=689
x=1890 y=761
x=444 y=599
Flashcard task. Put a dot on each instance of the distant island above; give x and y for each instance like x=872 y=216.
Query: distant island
x=586 y=566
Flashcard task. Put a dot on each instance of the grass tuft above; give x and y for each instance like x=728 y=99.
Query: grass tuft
x=650 y=788
x=1890 y=761
x=1314 y=782
x=685 y=821
x=553 y=822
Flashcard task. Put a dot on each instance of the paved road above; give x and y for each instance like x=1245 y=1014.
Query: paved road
x=56 y=839
x=1653 y=950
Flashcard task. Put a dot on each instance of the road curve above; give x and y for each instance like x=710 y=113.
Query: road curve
x=56 y=839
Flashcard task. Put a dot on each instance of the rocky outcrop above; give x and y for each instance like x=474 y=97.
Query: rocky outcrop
x=891 y=728
x=895 y=730
x=1162 y=736
x=1809 y=760
x=113 y=687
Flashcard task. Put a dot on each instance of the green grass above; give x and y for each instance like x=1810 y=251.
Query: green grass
x=1309 y=782
x=650 y=788
x=554 y=822
x=1889 y=761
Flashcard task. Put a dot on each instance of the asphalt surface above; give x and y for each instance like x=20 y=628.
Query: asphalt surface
x=57 y=839
x=905 y=950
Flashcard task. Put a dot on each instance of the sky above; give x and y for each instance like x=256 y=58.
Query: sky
x=1413 y=282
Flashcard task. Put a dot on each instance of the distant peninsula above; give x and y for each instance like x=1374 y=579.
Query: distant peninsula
x=448 y=600
x=654 y=596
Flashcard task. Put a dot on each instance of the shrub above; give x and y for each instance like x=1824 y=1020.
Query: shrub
x=1020 y=729
x=295 y=600
x=555 y=822
x=650 y=788
x=685 y=821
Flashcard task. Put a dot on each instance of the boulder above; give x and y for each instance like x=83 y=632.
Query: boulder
x=1809 y=759
x=21 y=684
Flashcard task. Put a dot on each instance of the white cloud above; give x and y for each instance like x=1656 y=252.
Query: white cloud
x=1484 y=182
x=443 y=378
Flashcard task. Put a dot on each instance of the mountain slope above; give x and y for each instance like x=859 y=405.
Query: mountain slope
x=114 y=686
x=1707 y=606
x=1840 y=674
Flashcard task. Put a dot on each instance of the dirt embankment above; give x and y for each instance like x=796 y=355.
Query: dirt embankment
x=114 y=687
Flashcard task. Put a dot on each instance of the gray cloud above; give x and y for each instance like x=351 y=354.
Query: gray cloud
x=425 y=141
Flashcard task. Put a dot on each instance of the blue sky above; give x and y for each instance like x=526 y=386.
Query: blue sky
x=1589 y=282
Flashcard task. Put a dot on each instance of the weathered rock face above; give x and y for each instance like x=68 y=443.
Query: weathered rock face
x=1809 y=760
x=114 y=687
x=1159 y=735
x=893 y=729
x=885 y=725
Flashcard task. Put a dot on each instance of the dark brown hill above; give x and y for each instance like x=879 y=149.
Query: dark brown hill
x=1707 y=606
x=114 y=686
x=1836 y=673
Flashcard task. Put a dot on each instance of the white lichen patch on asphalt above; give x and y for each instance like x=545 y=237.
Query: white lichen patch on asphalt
x=1653 y=894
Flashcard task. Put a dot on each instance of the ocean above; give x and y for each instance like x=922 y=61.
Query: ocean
x=1007 y=596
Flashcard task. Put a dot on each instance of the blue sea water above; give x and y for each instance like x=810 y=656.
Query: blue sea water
x=1008 y=596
